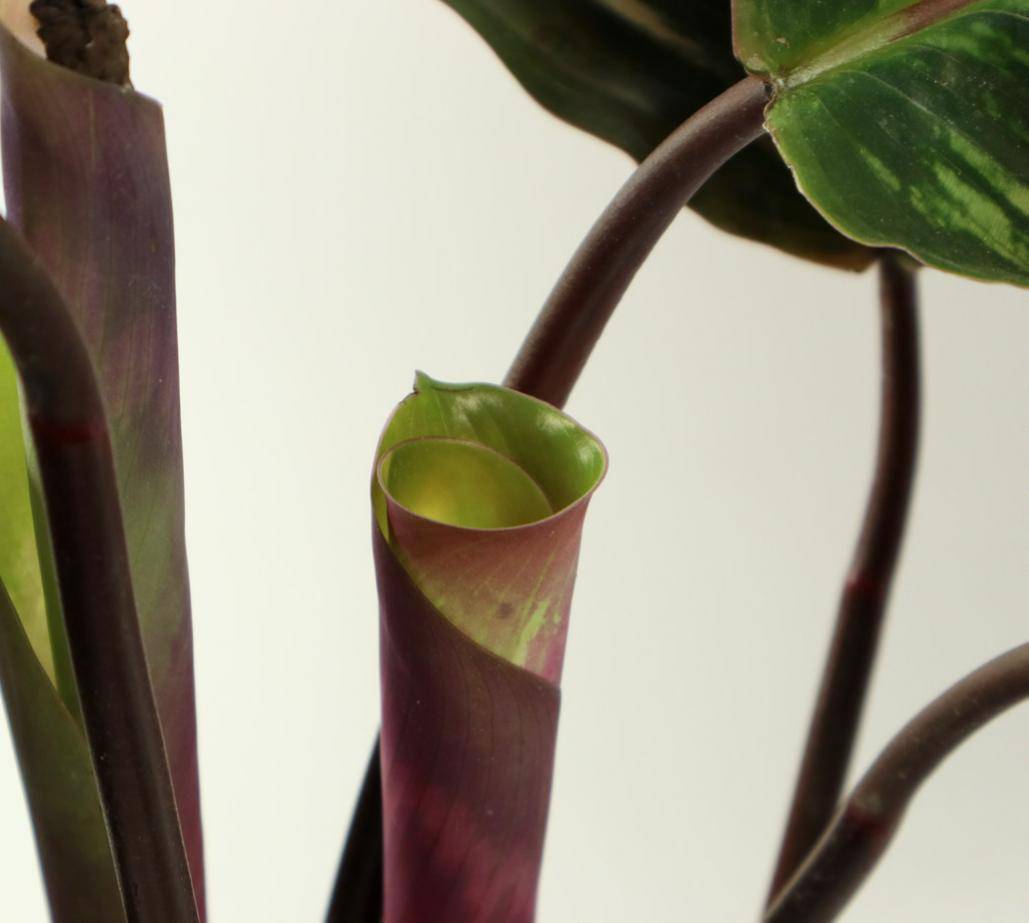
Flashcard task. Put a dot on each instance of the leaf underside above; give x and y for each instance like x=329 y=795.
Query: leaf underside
x=630 y=72
x=474 y=593
x=85 y=173
x=907 y=124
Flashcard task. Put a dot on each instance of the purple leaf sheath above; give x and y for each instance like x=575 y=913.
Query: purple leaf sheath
x=86 y=180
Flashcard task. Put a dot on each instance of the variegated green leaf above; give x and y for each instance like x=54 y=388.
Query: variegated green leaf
x=906 y=123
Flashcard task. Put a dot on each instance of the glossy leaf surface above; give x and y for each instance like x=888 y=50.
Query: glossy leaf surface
x=630 y=72
x=86 y=180
x=479 y=497
x=907 y=124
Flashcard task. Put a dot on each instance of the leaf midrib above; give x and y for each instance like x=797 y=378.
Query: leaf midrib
x=871 y=37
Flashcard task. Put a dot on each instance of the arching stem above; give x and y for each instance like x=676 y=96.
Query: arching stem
x=574 y=316
x=866 y=823
x=852 y=651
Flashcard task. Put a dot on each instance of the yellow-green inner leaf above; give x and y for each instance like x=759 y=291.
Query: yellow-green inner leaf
x=461 y=484
x=908 y=126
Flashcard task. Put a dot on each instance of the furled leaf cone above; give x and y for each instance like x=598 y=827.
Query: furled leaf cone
x=479 y=496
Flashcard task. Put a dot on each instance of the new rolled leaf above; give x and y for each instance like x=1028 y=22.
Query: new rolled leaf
x=479 y=496
x=906 y=122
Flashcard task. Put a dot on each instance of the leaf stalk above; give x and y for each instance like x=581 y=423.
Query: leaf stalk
x=866 y=823
x=852 y=651
x=574 y=316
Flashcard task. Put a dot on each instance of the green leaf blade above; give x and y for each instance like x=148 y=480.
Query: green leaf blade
x=19 y=561
x=774 y=36
x=60 y=785
x=911 y=130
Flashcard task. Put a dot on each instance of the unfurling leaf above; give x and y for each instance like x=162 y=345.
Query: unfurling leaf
x=479 y=495
x=86 y=179
x=906 y=122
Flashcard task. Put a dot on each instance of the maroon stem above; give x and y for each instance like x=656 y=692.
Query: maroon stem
x=852 y=652
x=865 y=825
x=574 y=316
x=357 y=892
x=76 y=464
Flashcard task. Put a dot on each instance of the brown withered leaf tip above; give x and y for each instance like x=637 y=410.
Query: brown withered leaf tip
x=86 y=36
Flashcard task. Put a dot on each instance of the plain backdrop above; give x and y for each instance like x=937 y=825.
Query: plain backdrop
x=361 y=190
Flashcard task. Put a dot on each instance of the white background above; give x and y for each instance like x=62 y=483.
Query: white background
x=362 y=190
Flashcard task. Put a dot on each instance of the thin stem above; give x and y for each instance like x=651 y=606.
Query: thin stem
x=574 y=316
x=76 y=465
x=357 y=894
x=866 y=823
x=852 y=652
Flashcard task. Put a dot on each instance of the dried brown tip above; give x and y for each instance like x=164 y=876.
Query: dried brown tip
x=86 y=36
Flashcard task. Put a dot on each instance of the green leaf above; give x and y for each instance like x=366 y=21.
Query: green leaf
x=479 y=496
x=61 y=789
x=905 y=123
x=630 y=72
x=19 y=560
x=462 y=484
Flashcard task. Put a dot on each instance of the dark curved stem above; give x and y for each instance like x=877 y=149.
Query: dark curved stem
x=76 y=464
x=866 y=823
x=357 y=894
x=852 y=652
x=570 y=323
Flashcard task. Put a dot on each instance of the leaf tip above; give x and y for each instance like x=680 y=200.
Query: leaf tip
x=424 y=382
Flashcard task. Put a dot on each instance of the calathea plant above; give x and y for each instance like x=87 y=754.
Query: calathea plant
x=890 y=133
